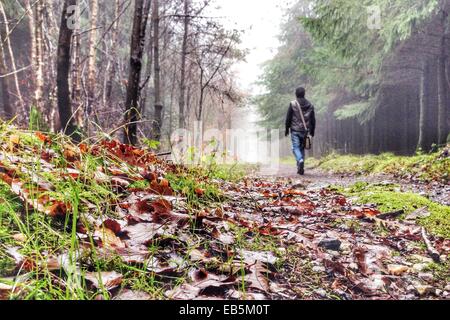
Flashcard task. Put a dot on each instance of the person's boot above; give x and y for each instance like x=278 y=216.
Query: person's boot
x=301 y=168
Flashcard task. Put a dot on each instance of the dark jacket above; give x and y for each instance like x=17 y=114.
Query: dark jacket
x=294 y=121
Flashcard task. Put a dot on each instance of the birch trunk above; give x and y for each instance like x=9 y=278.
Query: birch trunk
x=157 y=121
x=7 y=109
x=182 y=98
x=7 y=43
x=114 y=39
x=39 y=61
x=91 y=85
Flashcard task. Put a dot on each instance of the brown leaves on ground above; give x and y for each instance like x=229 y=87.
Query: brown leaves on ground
x=129 y=154
x=252 y=246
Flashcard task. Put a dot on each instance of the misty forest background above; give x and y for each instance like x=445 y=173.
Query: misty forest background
x=138 y=70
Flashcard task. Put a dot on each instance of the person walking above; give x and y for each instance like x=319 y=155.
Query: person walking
x=300 y=122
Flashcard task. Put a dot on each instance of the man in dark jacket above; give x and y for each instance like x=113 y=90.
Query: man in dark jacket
x=294 y=125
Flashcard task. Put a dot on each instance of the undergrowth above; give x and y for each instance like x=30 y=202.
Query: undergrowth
x=424 y=167
x=39 y=237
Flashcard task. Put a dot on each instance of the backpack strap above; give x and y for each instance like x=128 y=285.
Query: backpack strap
x=299 y=109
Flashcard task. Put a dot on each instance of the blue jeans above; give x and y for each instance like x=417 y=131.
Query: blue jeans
x=298 y=145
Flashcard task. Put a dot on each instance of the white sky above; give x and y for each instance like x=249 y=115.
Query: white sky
x=261 y=20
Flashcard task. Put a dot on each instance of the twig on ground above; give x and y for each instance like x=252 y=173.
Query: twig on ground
x=389 y=215
x=431 y=250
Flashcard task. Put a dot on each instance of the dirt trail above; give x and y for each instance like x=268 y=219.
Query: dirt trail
x=316 y=179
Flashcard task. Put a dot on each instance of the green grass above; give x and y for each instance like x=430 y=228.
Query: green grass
x=201 y=185
x=288 y=160
x=228 y=172
x=10 y=205
x=45 y=236
x=389 y=199
x=197 y=189
x=425 y=167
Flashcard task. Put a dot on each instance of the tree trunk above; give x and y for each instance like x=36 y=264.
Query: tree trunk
x=114 y=41
x=132 y=114
x=202 y=96
x=92 y=56
x=39 y=60
x=32 y=53
x=51 y=26
x=442 y=86
x=76 y=79
x=146 y=86
x=7 y=109
x=172 y=94
x=63 y=69
x=424 y=92
x=182 y=99
x=12 y=59
x=406 y=122
x=157 y=121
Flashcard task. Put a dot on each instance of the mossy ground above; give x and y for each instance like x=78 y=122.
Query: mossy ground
x=424 y=167
x=389 y=198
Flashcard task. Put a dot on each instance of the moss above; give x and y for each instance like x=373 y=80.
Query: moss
x=140 y=184
x=389 y=199
x=425 y=167
x=440 y=271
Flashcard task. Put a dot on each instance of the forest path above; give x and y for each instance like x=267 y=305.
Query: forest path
x=317 y=179
x=339 y=248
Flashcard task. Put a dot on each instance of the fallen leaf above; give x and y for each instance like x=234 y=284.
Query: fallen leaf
x=130 y=295
x=161 y=206
x=251 y=257
x=199 y=192
x=258 y=277
x=112 y=225
x=6 y=291
x=108 y=280
x=224 y=238
x=19 y=237
x=43 y=137
x=109 y=238
x=16 y=255
x=360 y=255
x=397 y=270
x=142 y=233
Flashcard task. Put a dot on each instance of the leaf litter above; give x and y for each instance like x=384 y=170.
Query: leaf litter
x=265 y=240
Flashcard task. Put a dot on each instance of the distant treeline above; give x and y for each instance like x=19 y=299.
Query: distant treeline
x=377 y=72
